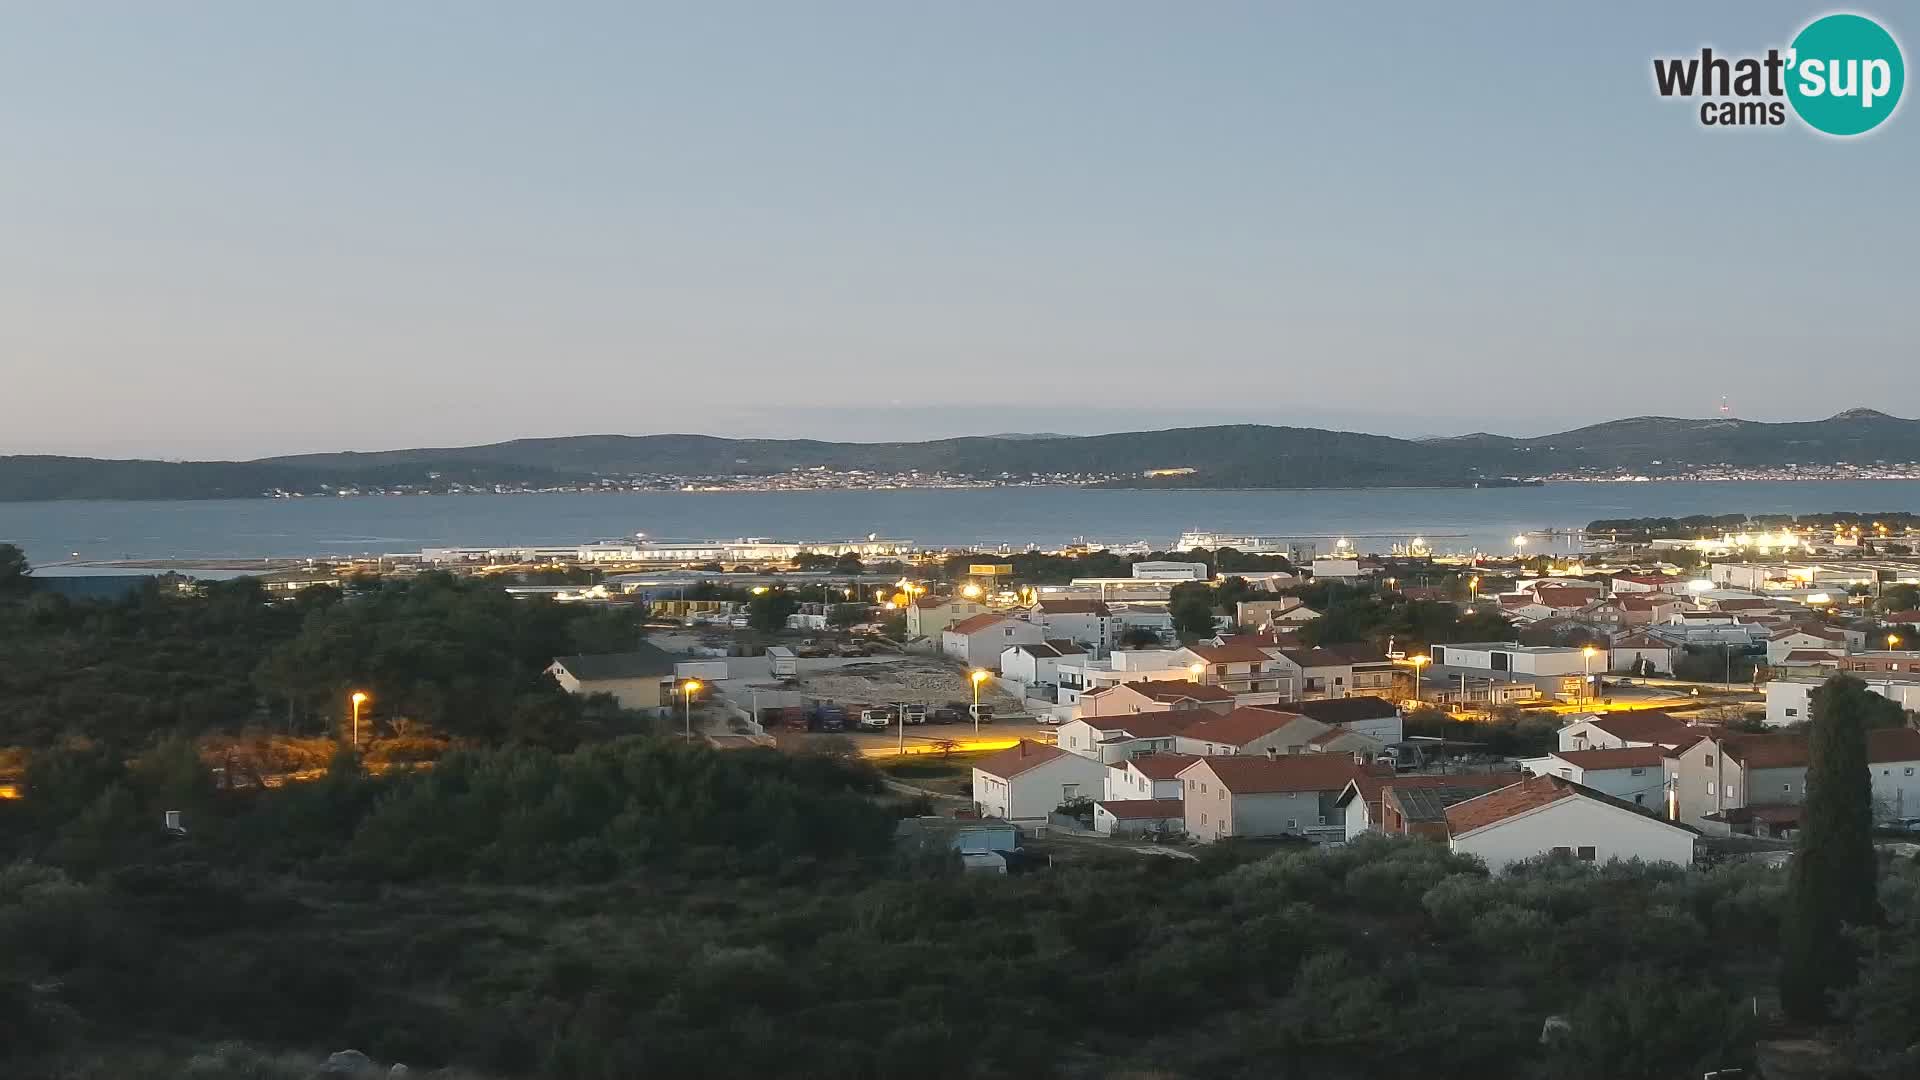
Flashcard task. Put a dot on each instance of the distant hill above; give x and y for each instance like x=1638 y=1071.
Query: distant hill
x=1245 y=455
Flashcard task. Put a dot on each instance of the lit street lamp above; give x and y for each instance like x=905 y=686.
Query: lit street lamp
x=1586 y=678
x=1196 y=670
x=359 y=698
x=976 y=677
x=687 y=690
x=1892 y=640
x=1418 y=663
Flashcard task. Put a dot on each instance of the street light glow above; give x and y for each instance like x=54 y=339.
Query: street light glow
x=359 y=697
x=691 y=686
x=978 y=675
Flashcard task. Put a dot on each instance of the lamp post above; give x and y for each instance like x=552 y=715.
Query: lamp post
x=358 y=698
x=1418 y=663
x=1892 y=640
x=1586 y=678
x=1196 y=670
x=976 y=677
x=687 y=690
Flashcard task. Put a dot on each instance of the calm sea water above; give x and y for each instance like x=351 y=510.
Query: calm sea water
x=1486 y=519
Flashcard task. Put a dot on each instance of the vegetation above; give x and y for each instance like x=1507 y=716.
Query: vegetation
x=626 y=909
x=1712 y=663
x=1832 y=880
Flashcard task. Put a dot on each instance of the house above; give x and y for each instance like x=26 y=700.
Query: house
x=1030 y=780
x=928 y=617
x=1810 y=661
x=1890 y=661
x=1421 y=809
x=1241 y=669
x=965 y=836
x=1114 y=739
x=1632 y=609
x=1084 y=622
x=642 y=678
x=1250 y=731
x=1790 y=698
x=1335 y=569
x=1547 y=660
x=1612 y=731
x=1036 y=663
x=1553 y=815
x=1635 y=774
x=1790 y=638
x=1640 y=654
x=1643 y=584
x=1360 y=802
x=1335 y=671
x=1744 y=771
x=979 y=641
x=1261 y=795
x=1340 y=740
x=1155 y=695
x=1139 y=817
x=1267 y=614
x=1081 y=674
x=1367 y=715
x=1146 y=776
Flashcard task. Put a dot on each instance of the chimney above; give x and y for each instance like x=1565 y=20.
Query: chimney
x=1273 y=753
x=173 y=819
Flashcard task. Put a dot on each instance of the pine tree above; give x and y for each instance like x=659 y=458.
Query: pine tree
x=1833 y=877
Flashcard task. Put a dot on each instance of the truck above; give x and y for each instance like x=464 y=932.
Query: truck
x=913 y=712
x=704 y=670
x=828 y=717
x=782 y=663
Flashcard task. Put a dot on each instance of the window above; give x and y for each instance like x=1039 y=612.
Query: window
x=1709 y=759
x=1639 y=798
x=1323 y=819
x=1562 y=851
x=1203 y=817
x=1709 y=787
x=1586 y=854
x=1293 y=823
x=1793 y=712
x=1786 y=787
x=1568 y=773
x=1909 y=770
x=1222 y=797
x=1069 y=792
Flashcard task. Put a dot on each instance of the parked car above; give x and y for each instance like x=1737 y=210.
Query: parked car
x=946 y=714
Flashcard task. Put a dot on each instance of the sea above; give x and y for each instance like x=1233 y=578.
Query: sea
x=1371 y=519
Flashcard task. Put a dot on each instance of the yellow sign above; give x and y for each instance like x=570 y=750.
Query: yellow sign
x=991 y=569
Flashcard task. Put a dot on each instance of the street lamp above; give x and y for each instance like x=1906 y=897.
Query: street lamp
x=1519 y=544
x=1892 y=640
x=359 y=698
x=1196 y=670
x=976 y=677
x=1586 y=679
x=687 y=690
x=970 y=591
x=1418 y=662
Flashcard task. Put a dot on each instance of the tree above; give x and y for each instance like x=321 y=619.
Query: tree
x=1831 y=885
x=14 y=571
x=1700 y=663
x=1900 y=597
x=768 y=611
x=845 y=615
x=1138 y=637
x=1191 y=605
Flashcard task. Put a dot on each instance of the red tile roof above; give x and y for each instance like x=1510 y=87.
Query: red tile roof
x=1015 y=760
x=1143 y=809
x=1510 y=801
x=1811 y=656
x=1256 y=774
x=977 y=623
x=1634 y=757
x=1065 y=647
x=1229 y=654
x=1650 y=726
x=1147 y=725
x=1174 y=690
x=1893 y=744
x=1241 y=726
x=1072 y=607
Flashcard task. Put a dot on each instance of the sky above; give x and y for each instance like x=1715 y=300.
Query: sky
x=233 y=229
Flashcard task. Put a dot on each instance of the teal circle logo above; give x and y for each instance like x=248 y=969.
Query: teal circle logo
x=1845 y=74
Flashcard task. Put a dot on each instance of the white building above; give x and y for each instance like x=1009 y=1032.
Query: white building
x=1147 y=776
x=979 y=641
x=1167 y=570
x=1325 y=569
x=1027 y=782
x=1553 y=815
x=1635 y=774
x=1081 y=674
x=1790 y=700
x=1036 y=664
x=1621 y=730
x=1520 y=659
x=1792 y=638
x=1084 y=622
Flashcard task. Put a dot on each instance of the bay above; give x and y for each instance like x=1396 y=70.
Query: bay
x=1485 y=519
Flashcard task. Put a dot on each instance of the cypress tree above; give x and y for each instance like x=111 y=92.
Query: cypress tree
x=1832 y=881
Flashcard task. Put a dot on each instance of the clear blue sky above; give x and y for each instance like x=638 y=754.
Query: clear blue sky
x=243 y=228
